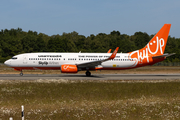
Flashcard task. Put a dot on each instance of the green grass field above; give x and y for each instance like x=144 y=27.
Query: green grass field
x=90 y=100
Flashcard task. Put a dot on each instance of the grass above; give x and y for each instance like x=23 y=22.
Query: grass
x=75 y=100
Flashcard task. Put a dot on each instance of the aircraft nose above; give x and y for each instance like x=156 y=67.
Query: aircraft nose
x=7 y=62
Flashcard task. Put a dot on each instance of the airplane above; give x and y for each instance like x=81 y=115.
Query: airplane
x=152 y=53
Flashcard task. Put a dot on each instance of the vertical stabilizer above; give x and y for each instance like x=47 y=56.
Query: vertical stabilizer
x=157 y=44
x=155 y=47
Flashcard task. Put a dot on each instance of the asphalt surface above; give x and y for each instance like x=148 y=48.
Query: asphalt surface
x=93 y=77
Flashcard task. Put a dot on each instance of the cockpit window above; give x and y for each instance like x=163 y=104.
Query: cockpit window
x=14 y=58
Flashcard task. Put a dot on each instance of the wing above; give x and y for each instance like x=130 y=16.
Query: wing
x=98 y=62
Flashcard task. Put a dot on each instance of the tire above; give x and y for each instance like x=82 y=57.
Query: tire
x=88 y=73
x=21 y=74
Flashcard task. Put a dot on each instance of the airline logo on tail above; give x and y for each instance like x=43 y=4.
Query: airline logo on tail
x=158 y=48
x=155 y=47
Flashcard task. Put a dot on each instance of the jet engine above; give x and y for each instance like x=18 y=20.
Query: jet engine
x=66 y=68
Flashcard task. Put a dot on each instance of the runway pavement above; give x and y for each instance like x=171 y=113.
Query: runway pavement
x=93 y=77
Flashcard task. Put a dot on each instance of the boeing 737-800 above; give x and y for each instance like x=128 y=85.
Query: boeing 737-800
x=152 y=53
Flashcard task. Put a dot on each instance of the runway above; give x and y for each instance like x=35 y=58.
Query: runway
x=93 y=77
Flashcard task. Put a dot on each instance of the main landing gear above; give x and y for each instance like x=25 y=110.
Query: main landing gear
x=21 y=74
x=88 y=73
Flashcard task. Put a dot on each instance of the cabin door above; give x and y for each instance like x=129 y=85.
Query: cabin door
x=25 y=58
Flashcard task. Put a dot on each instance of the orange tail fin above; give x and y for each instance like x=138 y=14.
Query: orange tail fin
x=157 y=44
x=155 y=47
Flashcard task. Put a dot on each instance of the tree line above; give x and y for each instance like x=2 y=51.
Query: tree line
x=17 y=41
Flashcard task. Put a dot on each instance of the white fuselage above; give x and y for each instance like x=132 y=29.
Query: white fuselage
x=55 y=60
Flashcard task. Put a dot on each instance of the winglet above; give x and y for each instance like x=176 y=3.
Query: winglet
x=109 y=51
x=113 y=55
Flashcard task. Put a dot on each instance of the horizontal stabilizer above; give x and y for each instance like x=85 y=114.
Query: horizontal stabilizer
x=164 y=55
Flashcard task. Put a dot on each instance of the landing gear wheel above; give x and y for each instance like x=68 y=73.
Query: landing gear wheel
x=21 y=74
x=88 y=73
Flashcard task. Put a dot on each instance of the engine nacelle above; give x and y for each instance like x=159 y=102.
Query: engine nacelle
x=66 y=68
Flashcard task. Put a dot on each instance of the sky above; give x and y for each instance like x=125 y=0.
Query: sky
x=88 y=17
